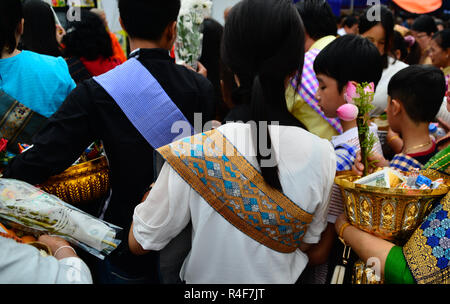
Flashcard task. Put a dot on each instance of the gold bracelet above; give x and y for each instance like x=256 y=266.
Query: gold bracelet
x=392 y=138
x=341 y=232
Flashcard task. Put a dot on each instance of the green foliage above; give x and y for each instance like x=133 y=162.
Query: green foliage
x=367 y=139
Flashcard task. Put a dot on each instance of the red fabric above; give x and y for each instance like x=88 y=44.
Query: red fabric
x=101 y=65
x=423 y=153
x=419 y=7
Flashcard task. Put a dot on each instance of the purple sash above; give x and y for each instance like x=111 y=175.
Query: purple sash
x=145 y=103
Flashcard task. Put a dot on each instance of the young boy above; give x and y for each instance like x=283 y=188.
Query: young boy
x=415 y=96
x=346 y=59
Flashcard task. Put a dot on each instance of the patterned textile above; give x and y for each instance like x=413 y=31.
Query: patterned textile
x=405 y=163
x=428 y=250
x=18 y=124
x=309 y=86
x=213 y=167
x=441 y=161
x=345 y=157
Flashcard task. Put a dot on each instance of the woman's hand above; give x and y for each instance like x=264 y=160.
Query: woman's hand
x=394 y=141
x=200 y=69
x=60 y=33
x=56 y=243
x=341 y=220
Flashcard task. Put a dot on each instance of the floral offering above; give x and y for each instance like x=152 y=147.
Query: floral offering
x=188 y=46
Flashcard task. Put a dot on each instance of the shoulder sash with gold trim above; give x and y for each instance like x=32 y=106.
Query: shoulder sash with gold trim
x=428 y=250
x=214 y=168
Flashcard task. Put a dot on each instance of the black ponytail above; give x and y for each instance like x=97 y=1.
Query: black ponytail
x=263 y=44
x=10 y=17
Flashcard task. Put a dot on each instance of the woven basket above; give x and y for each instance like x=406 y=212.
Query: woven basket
x=392 y=214
x=80 y=183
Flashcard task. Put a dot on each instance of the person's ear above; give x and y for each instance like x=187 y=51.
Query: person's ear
x=21 y=27
x=172 y=32
x=121 y=24
x=396 y=107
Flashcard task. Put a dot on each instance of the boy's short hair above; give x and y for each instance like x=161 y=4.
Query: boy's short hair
x=147 y=19
x=350 y=58
x=421 y=90
x=424 y=23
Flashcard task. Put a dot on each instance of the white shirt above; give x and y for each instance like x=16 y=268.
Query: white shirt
x=23 y=264
x=380 y=98
x=220 y=252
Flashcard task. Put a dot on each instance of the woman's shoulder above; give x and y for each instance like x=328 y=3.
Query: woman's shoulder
x=45 y=63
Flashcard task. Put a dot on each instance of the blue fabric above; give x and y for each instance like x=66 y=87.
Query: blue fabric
x=39 y=82
x=147 y=105
x=345 y=157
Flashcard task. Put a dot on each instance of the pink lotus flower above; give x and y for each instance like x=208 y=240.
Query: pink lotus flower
x=370 y=88
x=347 y=112
x=350 y=92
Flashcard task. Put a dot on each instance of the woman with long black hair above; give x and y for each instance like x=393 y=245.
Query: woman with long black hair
x=257 y=191
x=41 y=33
x=380 y=31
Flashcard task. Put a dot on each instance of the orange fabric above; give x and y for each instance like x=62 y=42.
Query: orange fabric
x=117 y=48
x=419 y=7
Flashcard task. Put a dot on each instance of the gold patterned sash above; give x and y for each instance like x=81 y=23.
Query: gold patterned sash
x=18 y=123
x=214 y=168
x=428 y=250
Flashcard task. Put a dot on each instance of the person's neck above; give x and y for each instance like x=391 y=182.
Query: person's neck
x=6 y=54
x=416 y=138
x=136 y=43
x=347 y=125
x=309 y=42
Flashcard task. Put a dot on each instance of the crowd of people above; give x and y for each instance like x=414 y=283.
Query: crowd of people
x=251 y=199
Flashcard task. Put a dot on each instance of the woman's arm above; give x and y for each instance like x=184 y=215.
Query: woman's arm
x=365 y=245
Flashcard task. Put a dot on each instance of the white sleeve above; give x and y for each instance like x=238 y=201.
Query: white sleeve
x=320 y=222
x=165 y=212
x=23 y=264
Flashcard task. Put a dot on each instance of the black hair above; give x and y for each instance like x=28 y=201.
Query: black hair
x=414 y=54
x=87 y=38
x=275 y=29
x=39 y=33
x=10 y=17
x=210 y=58
x=147 y=19
x=424 y=23
x=350 y=21
x=387 y=22
x=313 y=10
x=442 y=38
x=400 y=44
x=350 y=58
x=421 y=89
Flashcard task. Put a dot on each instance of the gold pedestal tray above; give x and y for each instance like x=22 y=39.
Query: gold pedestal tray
x=80 y=183
x=392 y=214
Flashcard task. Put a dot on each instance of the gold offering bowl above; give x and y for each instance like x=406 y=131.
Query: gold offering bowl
x=392 y=214
x=80 y=183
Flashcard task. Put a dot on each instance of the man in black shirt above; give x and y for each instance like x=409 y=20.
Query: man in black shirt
x=89 y=113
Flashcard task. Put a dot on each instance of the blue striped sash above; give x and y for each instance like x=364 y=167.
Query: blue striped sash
x=145 y=103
